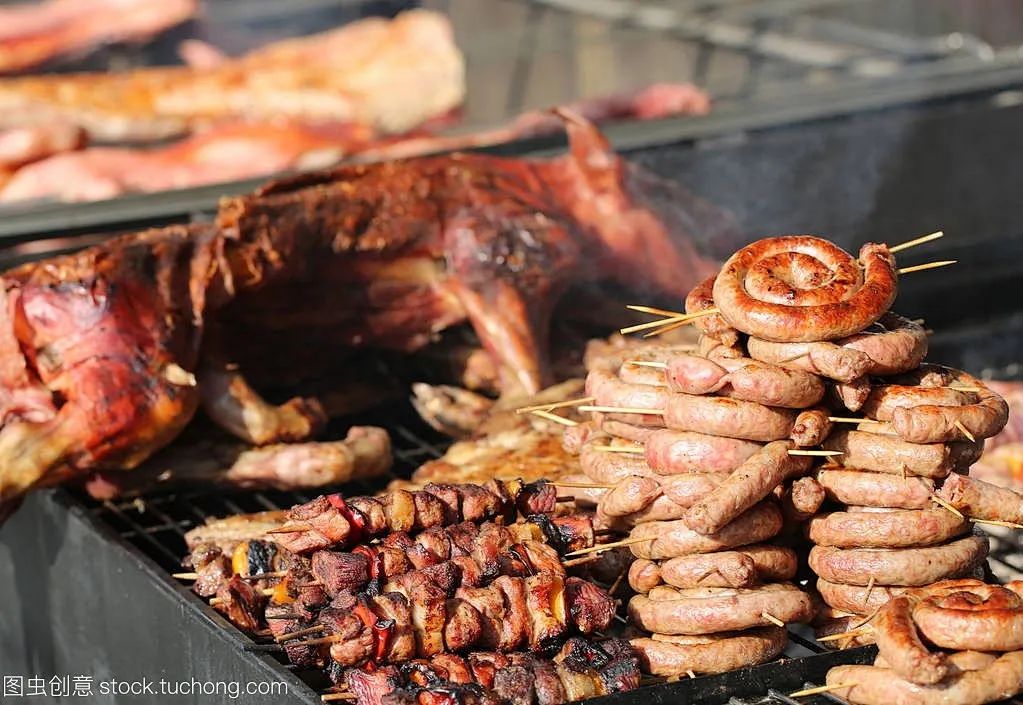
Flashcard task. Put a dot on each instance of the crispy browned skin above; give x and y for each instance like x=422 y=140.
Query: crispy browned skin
x=811 y=427
x=900 y=645
x=1002 y=679
x=741 y=567
x=982 y=500
x=926 y=423
x=668 y=610
x=877 y=489
x=674 y=538
x=414 y=247
x=802 y=499
x=713 y=327
x=729 y=418
x=667 y=655
x=748 y=484
x=898 y=566
x=863 y=450
x=890 y=529
x=856 y=598
x=801 y=288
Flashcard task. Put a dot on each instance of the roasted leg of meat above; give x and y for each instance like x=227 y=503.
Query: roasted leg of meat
x=100 y=347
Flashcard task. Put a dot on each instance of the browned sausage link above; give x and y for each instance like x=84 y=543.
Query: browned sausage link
x=665 y=655
x=872 y=451
x=668 y=610
x=852 y=395
x=608 y=468
x=751 y=482
x=714 y=326
x=587 y=497
x=895 y=529
x=824 y=359
x=894 y=344
x=644 y=575
x=674 y=494
x=739 y=568
x=730 y=418
x=670 y=452
x=898 y=566
x=674 y=538
x=982 y=500
x=811 y=427
x=969 y=615
x=630 y=495
x=714 y=349
x=899 y=644
x=870 y=685
x=884 y=399
x=932 y=424
x=608 y=390
x=803 y=499
x=745 y=379
x=856 y=598
x=801 y=288
x=877 y=489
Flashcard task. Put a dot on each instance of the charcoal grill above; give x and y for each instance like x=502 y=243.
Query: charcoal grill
x=827 y=121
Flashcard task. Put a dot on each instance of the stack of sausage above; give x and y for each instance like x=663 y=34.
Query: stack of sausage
x=978 y=629
x=803 y=303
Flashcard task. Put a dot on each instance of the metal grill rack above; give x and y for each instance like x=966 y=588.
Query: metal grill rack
x=156 y=523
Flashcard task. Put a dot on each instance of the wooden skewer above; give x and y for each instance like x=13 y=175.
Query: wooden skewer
x=608 y=546
x=332 y=639
x=995 y=522
x=622 y=410
x=820 y=689
x=648 y=363
x=870 y=588
x=918 y=321
x=966 y=389
x=850 y=419
x=678 y=324
x=851 y=633
x=581 y=561
x=195 y=576
x=299 y=633
x=946 y=505
x=554 y=417
x=916 y=241
x=772 y=619
x=330 y=697
x=965 y=431
x=620 y=449
x=655 y=311
x=691 y=675
x=817 y=453
x=929 y=265
x=668 y=321
x=583 y=485
x=554 y=405
x=287 y=529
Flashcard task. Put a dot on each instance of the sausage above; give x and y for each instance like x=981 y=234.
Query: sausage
x=852 y=395
x=811 y=427
x=663 y=656
x=894 y=344
x=934 y=423
x=700 y=298
x=641 y=374
x=898 y=566
x=748 y=484
x=587 y=497
x=884 y=399
x=714 y=349
x=876 y=489
x=674 y=538
x=824 y=359
x=629 y=495
x=899 y=643
x=856 y=598
x=670 y=452
x=970 y=615
x=609 y=468
x=644 y=575
x=574 y=437
x=610 y=355
x=800 y=288
x=627 y=431
x=668 y=610
x=870 y=685
x=982 y=500
x=803 y=498
x=739 y=568
x=730 y=418
x=895 y=529
x=872 y=451
x=608 y=390
x=841 y=625
x=745 y=379
x=637 y=495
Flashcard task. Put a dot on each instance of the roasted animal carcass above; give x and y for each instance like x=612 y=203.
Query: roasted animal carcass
x=107 y=353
